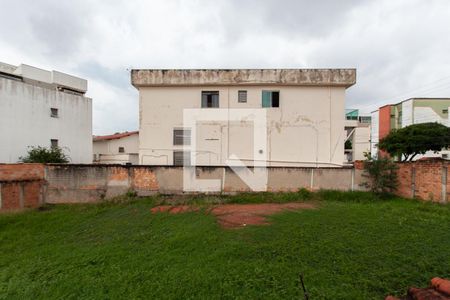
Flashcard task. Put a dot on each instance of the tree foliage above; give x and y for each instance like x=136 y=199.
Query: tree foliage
x=348 y=144
x=406 y=143
x=381 y=175
x=45 y=155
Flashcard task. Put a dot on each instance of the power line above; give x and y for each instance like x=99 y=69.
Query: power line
x=423 y=88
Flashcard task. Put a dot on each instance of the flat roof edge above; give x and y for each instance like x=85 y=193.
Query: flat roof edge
x=217 y=77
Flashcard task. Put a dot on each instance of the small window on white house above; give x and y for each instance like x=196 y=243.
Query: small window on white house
x=181 y=158
x=54 y=112
x=181 y=136
x=445 y=111
x=270 y=99
x=54 y=143
x=210 y=99
x=242 y=96
x=121 y=150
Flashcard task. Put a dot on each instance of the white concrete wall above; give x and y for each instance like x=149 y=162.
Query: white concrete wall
x=361 y=142
x=118 y=159
x=407 y=113
x=25 y=121
x=427 y=114
x=374 y=133
x=306 y=130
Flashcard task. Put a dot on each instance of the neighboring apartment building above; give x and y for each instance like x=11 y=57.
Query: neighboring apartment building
x=357 y=128
x=118 y=148
x=43 y=108
x=304 y=109
x=408 y=112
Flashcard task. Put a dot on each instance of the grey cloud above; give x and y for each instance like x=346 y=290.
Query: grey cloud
x=117 y=77
x=396 y=45
x=290 y=18
x=60 y=27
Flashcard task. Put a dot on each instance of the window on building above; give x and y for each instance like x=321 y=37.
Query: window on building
x=121 y=149
x=445 y=111
x=181 y=136
x=270 y=99
x=365 y=119
x=242 y=96
x=54 y=112
x=181 y=158
x=210 y=99
x=54 y=143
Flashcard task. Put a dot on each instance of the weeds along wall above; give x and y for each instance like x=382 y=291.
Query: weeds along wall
x=31 y=185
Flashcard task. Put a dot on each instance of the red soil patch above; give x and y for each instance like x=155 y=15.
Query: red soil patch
x=239 y=215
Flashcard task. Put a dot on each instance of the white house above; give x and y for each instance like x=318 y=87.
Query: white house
x=358 y=135
x=304 y=109
x=118 y=148
x=43 y=108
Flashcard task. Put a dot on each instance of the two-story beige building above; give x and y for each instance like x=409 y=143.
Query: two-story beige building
x=304 y=110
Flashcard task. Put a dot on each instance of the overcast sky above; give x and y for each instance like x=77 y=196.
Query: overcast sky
x=400 y=48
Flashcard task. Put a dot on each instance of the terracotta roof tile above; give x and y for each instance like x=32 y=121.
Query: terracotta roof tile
x=114 y=136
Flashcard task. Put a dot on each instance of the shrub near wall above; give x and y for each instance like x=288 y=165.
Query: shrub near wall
x=426 y=179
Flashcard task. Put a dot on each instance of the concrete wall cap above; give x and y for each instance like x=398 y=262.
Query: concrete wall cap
x=221 y=77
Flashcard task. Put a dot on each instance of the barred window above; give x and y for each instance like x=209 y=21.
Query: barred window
x=181 y=136
x=181 y=158
x=242 y=96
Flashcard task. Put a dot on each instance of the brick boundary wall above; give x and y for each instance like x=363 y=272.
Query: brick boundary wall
x=89 y=183
x=31 y=185
x=21 y=186
x=426 y=179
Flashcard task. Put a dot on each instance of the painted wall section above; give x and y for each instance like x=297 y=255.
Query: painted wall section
x=374 y=132
x=307 y=129
x=407 y=113
x=384 y=125
x=361 y=142
x=25 y=120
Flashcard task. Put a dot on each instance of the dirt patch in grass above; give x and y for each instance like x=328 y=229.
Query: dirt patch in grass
x=238 y=215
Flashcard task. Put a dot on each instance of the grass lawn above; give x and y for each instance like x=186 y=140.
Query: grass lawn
x=352 y=247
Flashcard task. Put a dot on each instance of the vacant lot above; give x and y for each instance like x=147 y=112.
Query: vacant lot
x=351 y=246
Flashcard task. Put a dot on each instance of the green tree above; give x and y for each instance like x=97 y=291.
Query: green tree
x=381 y=175
x=348 y=144
x=45 y=155
x=410 y=141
